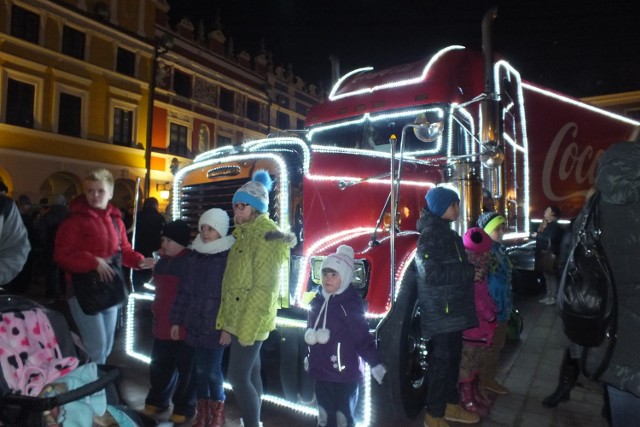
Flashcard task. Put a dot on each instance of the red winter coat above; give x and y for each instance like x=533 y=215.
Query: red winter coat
x=89 y=233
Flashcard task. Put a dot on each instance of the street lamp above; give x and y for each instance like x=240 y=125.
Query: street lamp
x=161 y=47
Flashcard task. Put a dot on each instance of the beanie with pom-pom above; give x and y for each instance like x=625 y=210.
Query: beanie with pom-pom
x=255 y=192
x=342 y=262
x=477 y=240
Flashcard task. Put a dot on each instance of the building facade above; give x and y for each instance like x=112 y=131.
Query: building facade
x=77 y=86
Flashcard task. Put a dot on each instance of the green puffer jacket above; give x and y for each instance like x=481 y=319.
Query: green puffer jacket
x=252 y=280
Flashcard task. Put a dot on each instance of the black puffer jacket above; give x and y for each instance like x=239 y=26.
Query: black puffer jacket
x=445 y=278
x=618 y=181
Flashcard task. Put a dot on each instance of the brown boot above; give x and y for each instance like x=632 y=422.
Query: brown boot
x=216 y=412
x=467 y=400
x=203 y=417
x=430 y=421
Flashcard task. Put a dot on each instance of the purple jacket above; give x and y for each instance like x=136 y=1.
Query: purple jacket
x=198 y=300
x=339 y=359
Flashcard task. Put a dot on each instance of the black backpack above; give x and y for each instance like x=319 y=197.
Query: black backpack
x=587 y=297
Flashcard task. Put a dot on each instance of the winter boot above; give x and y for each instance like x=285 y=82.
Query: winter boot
x=479 y=395
x=203 y=416
x=468 y=401
x=430 y=421
x=569 y=372
x=216 y=413
x=458 y=414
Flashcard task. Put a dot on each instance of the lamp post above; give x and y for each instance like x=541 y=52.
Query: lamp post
x=161 y=47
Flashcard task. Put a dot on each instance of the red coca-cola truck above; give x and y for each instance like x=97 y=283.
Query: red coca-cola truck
x=358 y=176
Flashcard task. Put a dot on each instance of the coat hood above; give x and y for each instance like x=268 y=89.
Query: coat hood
x=618 y=178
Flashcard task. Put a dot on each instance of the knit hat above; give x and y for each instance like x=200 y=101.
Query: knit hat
x=439 y=199
x=217 y=219
x=255 y=192
x=342 y=262
x=477 y=240
x=178 y=231
x=489 y=221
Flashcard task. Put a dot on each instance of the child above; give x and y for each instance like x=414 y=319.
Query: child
x=250 y=290
x=445 y=295
x=338 y=336
x=196 y=309
x=476 y=340
x=171 y=368
x=500 y=289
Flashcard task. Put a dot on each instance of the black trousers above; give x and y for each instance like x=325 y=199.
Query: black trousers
x=171 y=374
x=442 y=373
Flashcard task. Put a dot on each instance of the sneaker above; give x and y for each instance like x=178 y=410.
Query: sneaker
x=151 y=410
x=495 y=387
x=544 y=300
x=430 y=421
x=178 y=419
x=458 y=414
x=550 y=301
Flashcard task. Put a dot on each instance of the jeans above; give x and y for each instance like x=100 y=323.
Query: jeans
x=442 y=375
x=209 y=379
x=336 y=403
x=96 y=330
x=625 y=408
x=244 y=376
x=171 y=377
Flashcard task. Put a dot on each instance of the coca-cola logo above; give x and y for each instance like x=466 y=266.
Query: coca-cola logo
x=569 y=166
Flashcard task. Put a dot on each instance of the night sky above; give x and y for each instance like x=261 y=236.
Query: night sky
x=583 y=48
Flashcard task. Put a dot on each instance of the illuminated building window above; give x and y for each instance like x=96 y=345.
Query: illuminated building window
x=178 y=138
x=73 y=42
x=126 y=62
x=182 y=83
x=122 y=127
x=70 y=115
x=283 y=121
x=253 y=110
x=20 y=103
x=25 y=24
x=226 y=100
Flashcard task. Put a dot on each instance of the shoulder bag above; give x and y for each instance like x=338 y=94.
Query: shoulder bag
x=587 y=296
x=92 y=293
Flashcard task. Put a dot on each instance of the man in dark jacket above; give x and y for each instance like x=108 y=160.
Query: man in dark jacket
x=446 y=298
x=148 y=231
x=618 y=182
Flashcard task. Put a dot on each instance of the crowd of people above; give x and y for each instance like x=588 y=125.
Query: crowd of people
x=219 y=292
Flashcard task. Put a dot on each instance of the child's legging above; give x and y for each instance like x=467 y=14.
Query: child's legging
x=244 y=376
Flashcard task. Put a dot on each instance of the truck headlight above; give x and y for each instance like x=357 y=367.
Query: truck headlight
x=360 y=272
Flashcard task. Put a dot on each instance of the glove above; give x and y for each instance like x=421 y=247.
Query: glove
x=378 y=372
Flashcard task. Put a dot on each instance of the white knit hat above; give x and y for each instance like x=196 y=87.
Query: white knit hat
x=217 y=219
x=342 y=262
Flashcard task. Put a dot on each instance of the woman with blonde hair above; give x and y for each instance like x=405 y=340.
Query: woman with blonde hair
x=94 y=238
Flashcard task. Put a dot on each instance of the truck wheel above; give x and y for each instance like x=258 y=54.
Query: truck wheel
x=403 y=351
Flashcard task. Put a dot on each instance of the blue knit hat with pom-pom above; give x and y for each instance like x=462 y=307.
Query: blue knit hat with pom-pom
x=255 y=192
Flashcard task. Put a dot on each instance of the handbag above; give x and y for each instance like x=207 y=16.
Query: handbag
x=92 y=293
x=587 y=296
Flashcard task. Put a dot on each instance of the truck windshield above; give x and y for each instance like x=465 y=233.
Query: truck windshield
x=374 y=132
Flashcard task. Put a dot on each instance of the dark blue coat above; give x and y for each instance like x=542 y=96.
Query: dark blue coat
x=445 y=278
x=198 y=300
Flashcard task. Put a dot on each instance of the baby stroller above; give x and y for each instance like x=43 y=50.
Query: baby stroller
x=47 y=379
